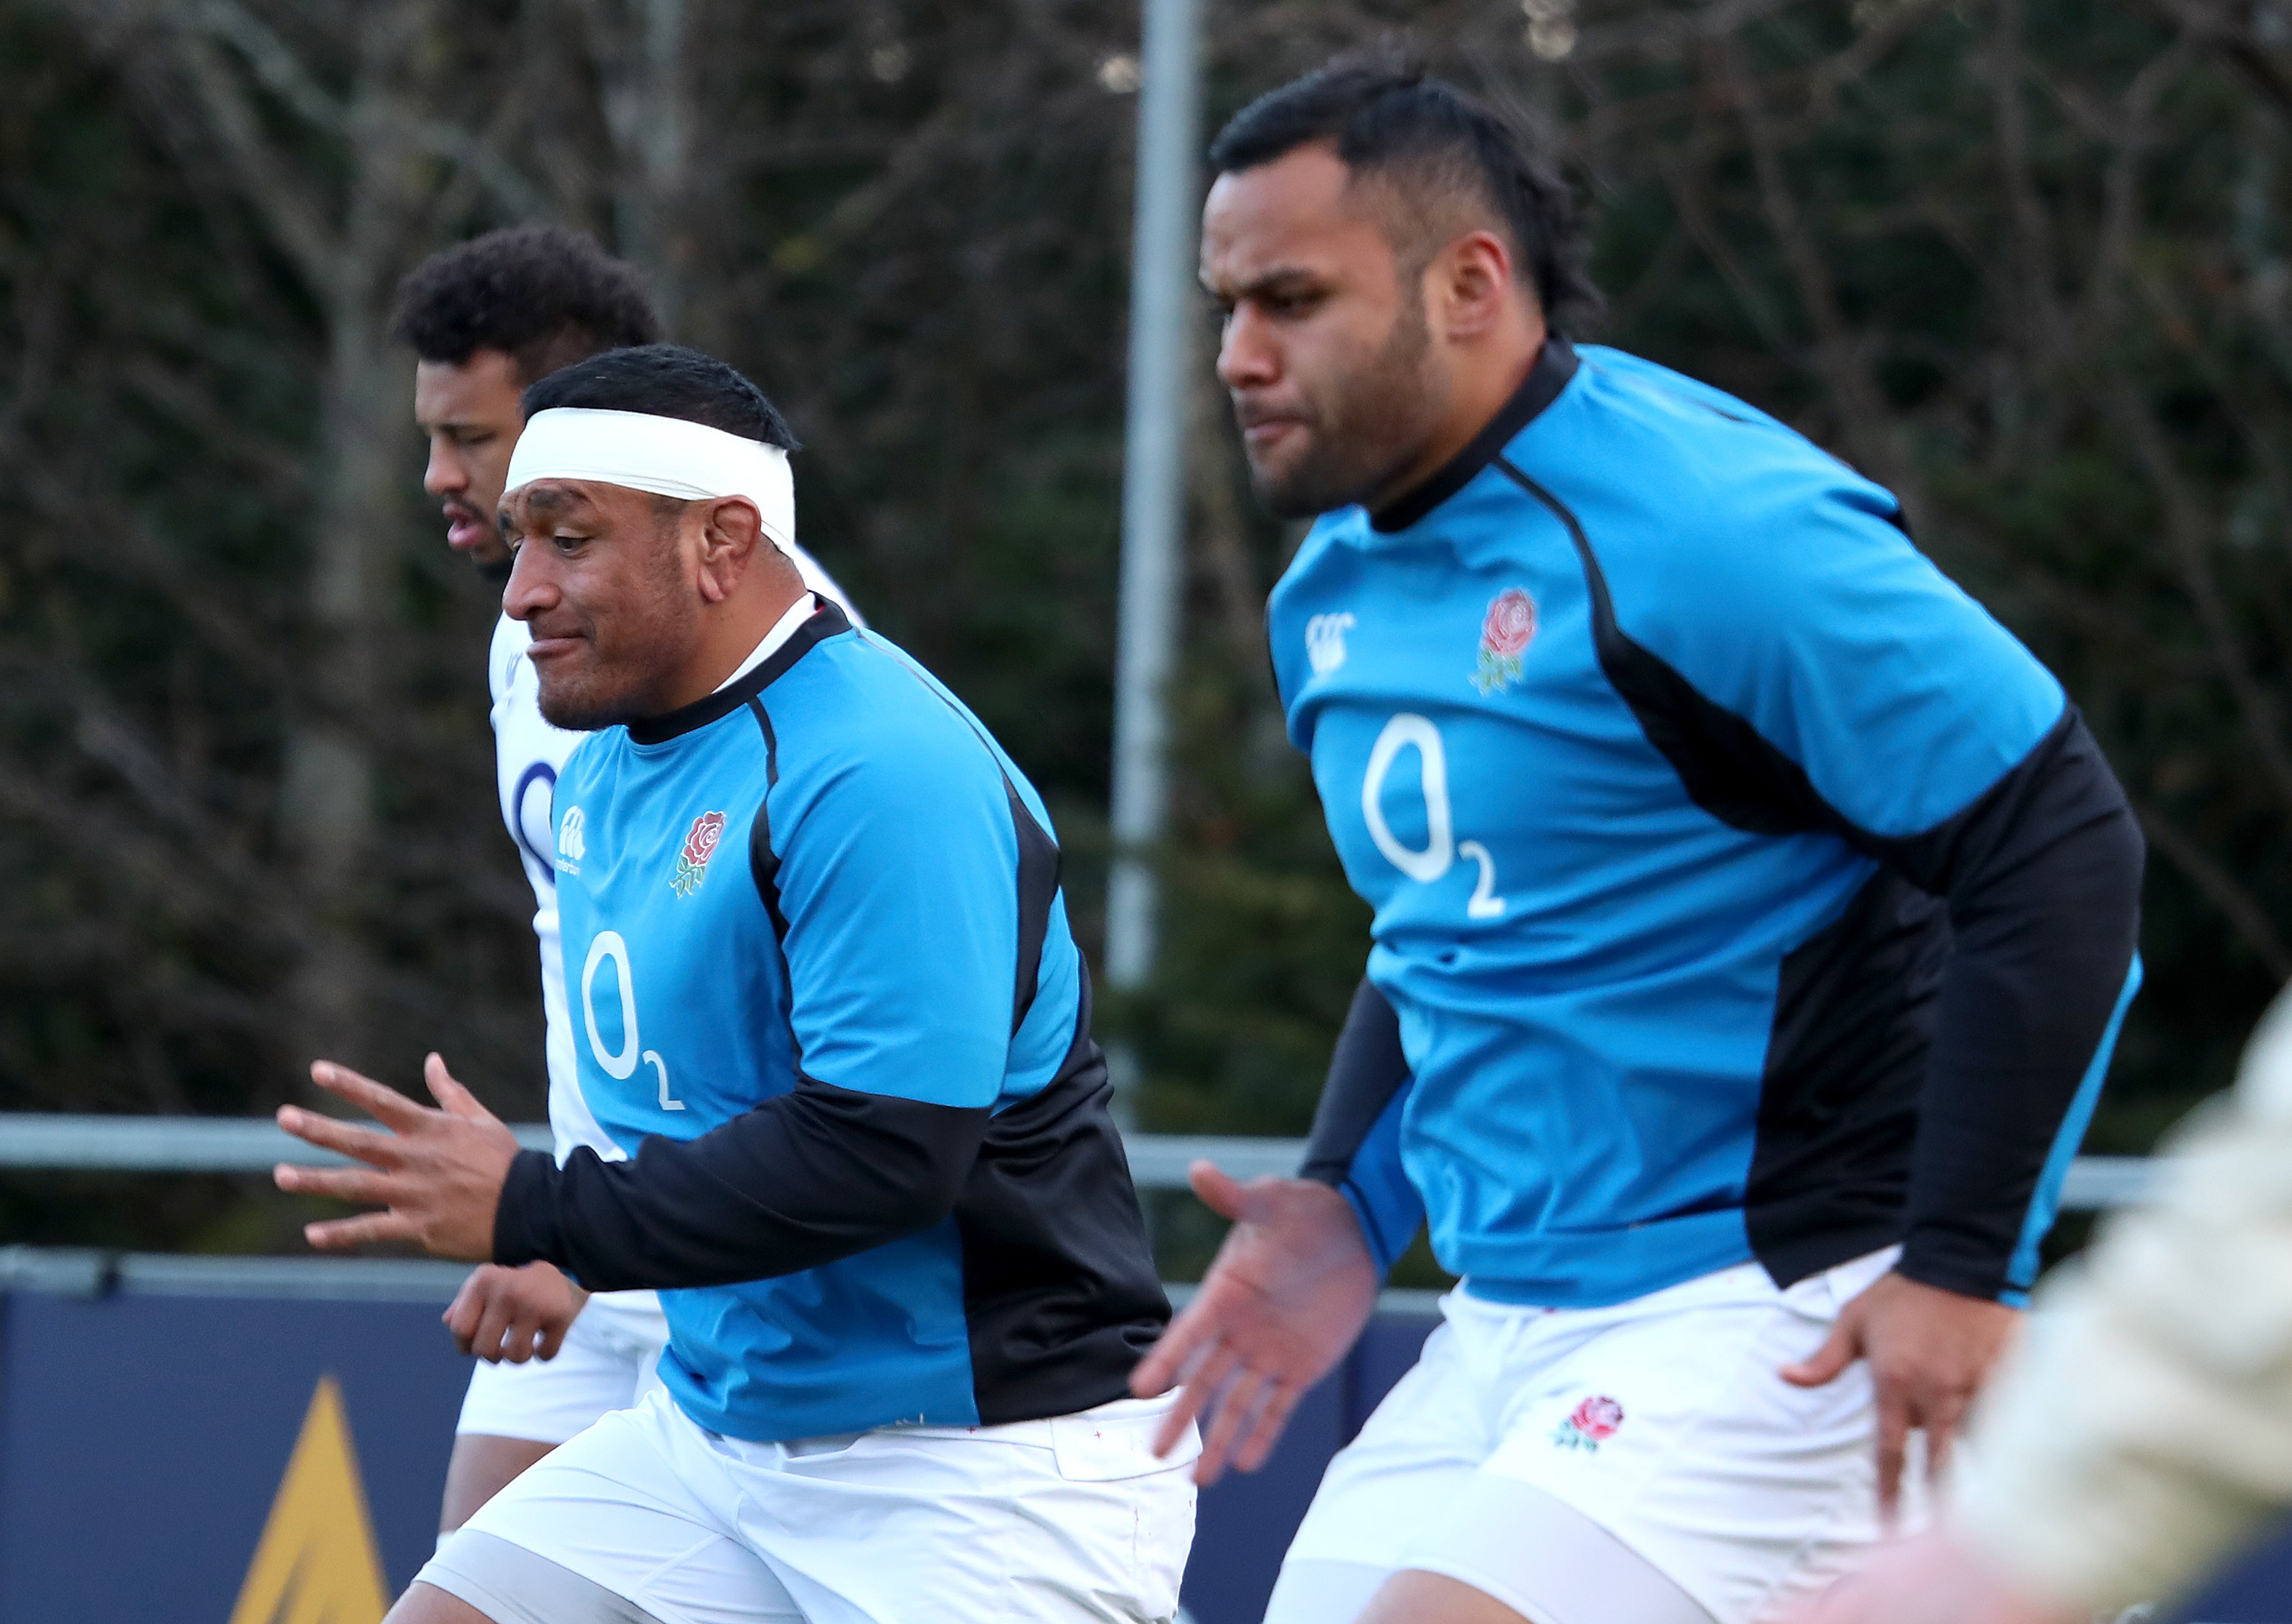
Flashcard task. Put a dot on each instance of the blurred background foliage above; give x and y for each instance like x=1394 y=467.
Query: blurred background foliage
x=2024 y=259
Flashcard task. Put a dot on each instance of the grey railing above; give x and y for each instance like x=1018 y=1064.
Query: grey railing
x=68 y=1271
x=170 y=1145
x=255 y=1144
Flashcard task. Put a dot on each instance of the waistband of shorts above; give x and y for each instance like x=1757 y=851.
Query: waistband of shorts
x=1120 y=1427
x=1735 y=1283
x=629 y=1304
x=1114 y=1413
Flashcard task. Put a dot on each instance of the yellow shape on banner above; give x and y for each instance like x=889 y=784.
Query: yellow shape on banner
x=316 y=1563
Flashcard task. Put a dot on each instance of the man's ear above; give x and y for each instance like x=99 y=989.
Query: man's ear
x=731 y=531
x=1472 y=286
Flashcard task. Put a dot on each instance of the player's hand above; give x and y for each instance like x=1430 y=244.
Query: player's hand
x=1930 y=1351
x=439 y=1173
x=1291 y=1289
x=1932 y=1579
x=515 y=1315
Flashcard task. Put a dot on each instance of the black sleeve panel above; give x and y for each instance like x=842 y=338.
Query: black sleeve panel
x=809 y=1177
x=1365 y=1070
x=2043 y=879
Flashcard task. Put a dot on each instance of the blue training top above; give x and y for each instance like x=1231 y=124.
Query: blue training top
x=824 y=992
x=1666 y=761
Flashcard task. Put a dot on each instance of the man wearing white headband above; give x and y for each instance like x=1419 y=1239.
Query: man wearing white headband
x=485 y=319
x=830 y=1014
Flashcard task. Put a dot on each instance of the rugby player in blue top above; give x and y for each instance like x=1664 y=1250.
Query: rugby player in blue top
x=1753 y=918
x=826 y=1000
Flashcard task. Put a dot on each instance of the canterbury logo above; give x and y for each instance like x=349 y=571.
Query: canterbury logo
x=1325 y=641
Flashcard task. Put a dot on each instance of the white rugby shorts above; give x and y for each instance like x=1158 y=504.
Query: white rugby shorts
x=1661 y=1421
x=607 y=1363
x=1069 y=1519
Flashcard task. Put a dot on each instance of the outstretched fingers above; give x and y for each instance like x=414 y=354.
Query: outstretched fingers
x=336 y=1233
x=1175 y=1424
x=386 y=1104
x=1197 y=1327
x=1274 y=1408
x=378 y=1149
x=1235 y=1420
x=341 y=1184
x=1197 y=1389
x=452 y=1097
x=1218 y=1190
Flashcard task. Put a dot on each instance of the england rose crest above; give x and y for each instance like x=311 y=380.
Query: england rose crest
x=699 y=845
x=1509 y=627
x=1591 y=1422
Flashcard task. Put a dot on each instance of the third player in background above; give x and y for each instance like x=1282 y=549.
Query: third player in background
x=485 y=319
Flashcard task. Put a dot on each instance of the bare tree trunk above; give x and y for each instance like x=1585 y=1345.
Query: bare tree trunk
x=642 y=53
x=327 y=796
x=328 y=801
x=342 y=209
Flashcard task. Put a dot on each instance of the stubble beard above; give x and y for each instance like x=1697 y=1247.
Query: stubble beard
x=1370 y=425
x=626 y=680
x=577 y=706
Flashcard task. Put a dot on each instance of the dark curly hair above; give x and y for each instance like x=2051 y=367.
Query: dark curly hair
x=665 y=380
x=542 y=295
x=1390 y=118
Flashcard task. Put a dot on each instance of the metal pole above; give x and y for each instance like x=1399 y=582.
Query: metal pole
x=1153 y=491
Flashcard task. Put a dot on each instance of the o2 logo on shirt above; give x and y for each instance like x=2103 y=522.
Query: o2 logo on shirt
x=623 y=1062
x=1408 y=730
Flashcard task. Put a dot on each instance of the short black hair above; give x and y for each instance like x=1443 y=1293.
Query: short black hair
x=665 y=380
x=1391 y=115
x=542 y=295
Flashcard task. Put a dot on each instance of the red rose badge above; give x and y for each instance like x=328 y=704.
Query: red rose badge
x=1508 y=629
x=1588 y=1424
x=699 y=845
x=1598 y=1417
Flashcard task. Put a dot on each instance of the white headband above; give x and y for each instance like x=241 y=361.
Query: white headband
x=665 y=456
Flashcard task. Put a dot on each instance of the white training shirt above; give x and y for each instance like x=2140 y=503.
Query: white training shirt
x=2143 y=1429
x=528 y=754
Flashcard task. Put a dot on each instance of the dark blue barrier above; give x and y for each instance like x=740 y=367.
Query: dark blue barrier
x=2256 y=1590
x=1247 y=1518
x=144 y=1439
x=146 y=1442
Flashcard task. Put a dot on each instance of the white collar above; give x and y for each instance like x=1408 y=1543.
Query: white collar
x=802 y=609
